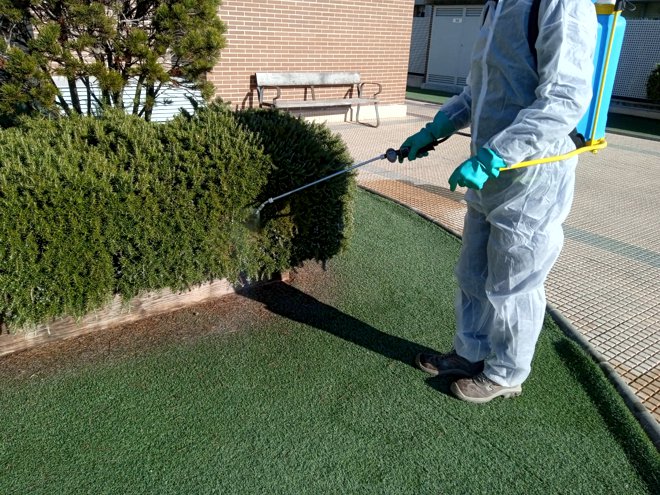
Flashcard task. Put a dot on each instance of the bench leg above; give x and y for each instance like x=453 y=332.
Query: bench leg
x=357 y=117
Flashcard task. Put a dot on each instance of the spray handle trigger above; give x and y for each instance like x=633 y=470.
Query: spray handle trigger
x=404 y=151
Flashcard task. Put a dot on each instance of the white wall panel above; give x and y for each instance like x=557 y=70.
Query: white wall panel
x=453 y=34
x=639 y=56
x=168 y=104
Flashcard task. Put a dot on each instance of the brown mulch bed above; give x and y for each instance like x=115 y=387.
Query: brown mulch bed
x=227 y=314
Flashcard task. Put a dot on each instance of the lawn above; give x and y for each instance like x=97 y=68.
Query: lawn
x=309 y=387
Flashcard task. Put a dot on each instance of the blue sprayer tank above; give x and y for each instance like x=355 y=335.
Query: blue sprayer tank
x=609 y=22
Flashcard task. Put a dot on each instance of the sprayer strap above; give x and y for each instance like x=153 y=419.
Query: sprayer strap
x=533 y=29
x=578 y=139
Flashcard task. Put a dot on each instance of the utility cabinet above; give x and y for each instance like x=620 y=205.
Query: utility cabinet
x=454 y=31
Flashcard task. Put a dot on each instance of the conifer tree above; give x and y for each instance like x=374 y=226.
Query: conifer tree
x=107 y=44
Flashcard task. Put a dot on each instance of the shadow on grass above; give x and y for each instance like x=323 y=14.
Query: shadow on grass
x=289 y=302
x=642 y=454
x=442 y=384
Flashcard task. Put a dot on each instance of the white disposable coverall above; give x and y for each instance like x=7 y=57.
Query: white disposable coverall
x=512 y=234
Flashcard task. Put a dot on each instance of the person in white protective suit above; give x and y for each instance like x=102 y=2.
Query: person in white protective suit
x=521 y=106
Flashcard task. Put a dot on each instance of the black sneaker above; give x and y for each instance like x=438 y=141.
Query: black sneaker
x=448 y=364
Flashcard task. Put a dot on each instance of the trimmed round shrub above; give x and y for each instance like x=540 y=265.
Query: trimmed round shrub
x=318 y=221
x=56 y=206
x=653 y=85
x=95 y=207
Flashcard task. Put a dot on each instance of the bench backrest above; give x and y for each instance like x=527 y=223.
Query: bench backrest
x=283 y=79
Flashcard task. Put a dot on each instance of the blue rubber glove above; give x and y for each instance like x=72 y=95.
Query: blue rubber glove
x=438 y=128
x=474 y=172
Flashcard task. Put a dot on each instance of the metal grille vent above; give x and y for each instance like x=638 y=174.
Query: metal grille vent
x=441 y=79
x=168 y=104
x=419 y=44
x=461 y=81
x=448 y=12
x=473 y=12
x=639 y=55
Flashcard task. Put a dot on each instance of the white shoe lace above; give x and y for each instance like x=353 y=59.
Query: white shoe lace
x=482 y=380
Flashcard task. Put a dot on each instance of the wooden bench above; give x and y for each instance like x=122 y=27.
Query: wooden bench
x=311 y=80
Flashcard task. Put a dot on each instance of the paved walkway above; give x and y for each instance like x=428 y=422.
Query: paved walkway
x=607 y=279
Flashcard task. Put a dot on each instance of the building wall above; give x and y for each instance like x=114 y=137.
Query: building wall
x=371 y=37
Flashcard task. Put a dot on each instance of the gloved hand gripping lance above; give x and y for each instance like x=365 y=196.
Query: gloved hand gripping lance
x=392 y=155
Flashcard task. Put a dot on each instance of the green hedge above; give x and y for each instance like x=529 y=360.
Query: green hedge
x=318 y=220
x=93 y=207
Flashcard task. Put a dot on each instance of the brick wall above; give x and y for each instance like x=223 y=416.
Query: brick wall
x=368 y=36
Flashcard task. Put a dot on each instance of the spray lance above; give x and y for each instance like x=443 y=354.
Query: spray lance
x=392 y=155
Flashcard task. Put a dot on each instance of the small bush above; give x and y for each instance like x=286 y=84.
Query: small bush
x=93 y=207
x=653 y=85
x=318 y=221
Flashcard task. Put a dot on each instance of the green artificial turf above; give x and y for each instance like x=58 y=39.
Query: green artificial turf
x=428 y=95
x=323 y=398
x=633 y=125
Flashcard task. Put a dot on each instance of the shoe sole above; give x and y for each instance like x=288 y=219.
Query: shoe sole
x=507 y=394
x=435 y=372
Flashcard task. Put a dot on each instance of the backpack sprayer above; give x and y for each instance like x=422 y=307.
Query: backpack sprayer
x=590 y=130
x=589 y=135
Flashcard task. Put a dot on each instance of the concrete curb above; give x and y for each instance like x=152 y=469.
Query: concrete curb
x=640 y=135
x=637 y=408
x=453 y=233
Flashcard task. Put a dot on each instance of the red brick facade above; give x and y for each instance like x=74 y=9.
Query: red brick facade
x=368 y=36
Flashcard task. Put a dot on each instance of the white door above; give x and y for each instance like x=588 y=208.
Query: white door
x=453 y=34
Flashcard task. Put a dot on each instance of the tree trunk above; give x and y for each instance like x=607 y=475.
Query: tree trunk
x=60 y=99
x=89 y=95
x=138 y=95
x=75 y=99
x=149 y=102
